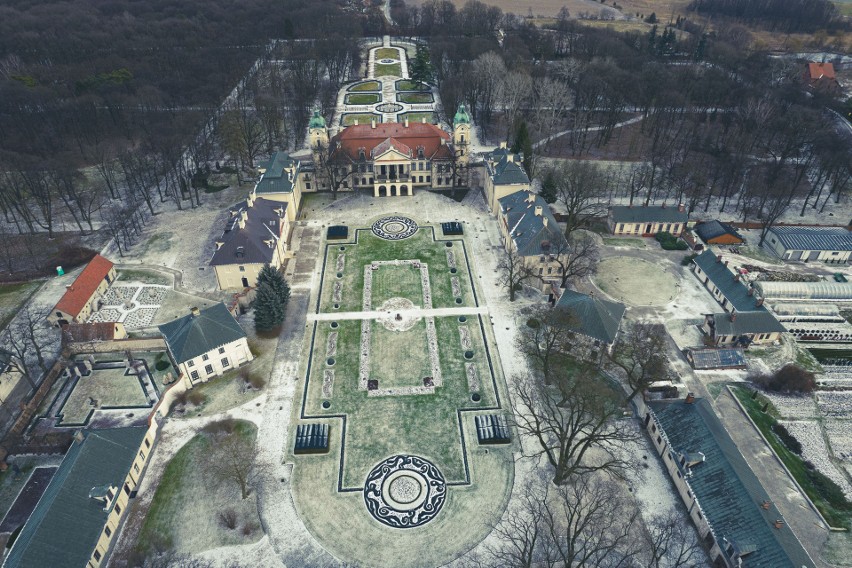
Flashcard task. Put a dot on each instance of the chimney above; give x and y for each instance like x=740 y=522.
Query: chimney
x=779 y=523
x=751 y=291
x=195 y=311
x=243 y=219
x=355 y=122
x=726 y=263
x=733 y=316
x=503 y=145
x=530 y=197
x=759 y=302
x=663 y=206
x=736 y=277
x=373 y=122
x=690 y=398
x=765 y=504
x=544 y=221
x=406 y=122
x=680 y=208
x=718 y=258
x=78 y=436
x=538 y=210
x=423 y=120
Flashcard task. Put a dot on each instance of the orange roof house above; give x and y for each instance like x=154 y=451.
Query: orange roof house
x=80 y=298
x=821 y=76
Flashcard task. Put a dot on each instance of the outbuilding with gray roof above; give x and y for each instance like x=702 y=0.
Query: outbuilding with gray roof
x=832 y=245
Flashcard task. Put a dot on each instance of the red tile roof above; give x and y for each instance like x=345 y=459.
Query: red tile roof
x=821 y=71
x=415 y=135
x=80 y=292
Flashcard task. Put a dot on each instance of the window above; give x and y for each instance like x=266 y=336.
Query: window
x=194 y=375
x=242 y=268
x=205 y=357
x=59 y=314
x=659 y=440
x=208 y=369
x=221 y=350
x=190 y=363
x=141 y=454
x=308 y=185
x=147 y=443
x=136 y=468
x=117 y=509
x=428 y=179
x=97 y=554
x=107 y=531
x=127 y=489
x=540 y=271
x=225 y=362
x=549 y=270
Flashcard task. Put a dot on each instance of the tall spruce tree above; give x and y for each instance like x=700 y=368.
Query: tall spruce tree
x=268 y=311
x=270 y=303
x=421 y=67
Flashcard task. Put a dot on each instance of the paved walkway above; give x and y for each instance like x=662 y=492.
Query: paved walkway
x=376 y=314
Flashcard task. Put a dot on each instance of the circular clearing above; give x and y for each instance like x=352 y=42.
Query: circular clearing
x=636 y=281
x=399 y=314
x=326 y=404
x=394 y=228
x=405 y=491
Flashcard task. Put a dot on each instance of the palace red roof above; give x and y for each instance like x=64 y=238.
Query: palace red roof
x=397 y=135
x=80 y=292
x=821 y=71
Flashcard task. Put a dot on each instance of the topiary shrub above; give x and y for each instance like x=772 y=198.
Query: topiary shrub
x=787 y=438
x=788 y=379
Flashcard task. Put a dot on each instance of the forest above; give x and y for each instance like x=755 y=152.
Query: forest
x=783 y=15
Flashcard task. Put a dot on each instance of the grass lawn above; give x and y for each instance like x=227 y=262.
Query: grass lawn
x=110 y=387
x=759 y=254
x=836 y=511
x=12 y=297
x=618 y=242
x=366 y=86
x=415 y=98
x=11 y=484
x=161 y=242
x=421 y=246
x=349 y=119
x=363 y=99
x=142 y=276
x=183 y=512
x=406 y=85
x=408 y=370
x=428 y=117
x=387 y=53
x=387 y=69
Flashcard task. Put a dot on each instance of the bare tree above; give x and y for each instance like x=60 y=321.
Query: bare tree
x=577 y=256
x=513 y=270
x=32 y=343
x=576 y=423
x=231 y=454
x=673 y=543
x=586 y=523
x=640 y=353
x=336 y=173
x=514 y=90
x=579 y=188
x=545 y=338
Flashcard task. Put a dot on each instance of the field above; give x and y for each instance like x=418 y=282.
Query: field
x=387 y=53
x=366 y=86
x=349 y=119
x=12 y=297
x=415 y=98
x=388 y=69
x=400 y=382
x=184 y=510
x=363 y=99
x=428 y=117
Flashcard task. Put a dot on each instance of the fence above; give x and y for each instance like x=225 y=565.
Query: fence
x=118 y=345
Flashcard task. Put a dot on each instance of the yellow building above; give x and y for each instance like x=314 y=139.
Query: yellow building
x=256 y=234
x=504 y=176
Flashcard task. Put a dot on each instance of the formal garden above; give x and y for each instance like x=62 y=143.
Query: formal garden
x=401 y=361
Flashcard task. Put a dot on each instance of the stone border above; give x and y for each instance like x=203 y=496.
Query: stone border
x=395 y=514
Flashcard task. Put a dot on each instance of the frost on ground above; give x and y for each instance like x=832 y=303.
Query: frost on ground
x=839 y=434
x=835 y=404
x=814 y=450
x=792 y=406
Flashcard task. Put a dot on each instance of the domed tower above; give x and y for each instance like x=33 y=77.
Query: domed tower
x=317 y=131
x=461 y=131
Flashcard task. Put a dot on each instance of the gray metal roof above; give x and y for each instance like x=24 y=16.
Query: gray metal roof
x=597 y=318
x=275 y=179
x=734 y=290
x=805 y=290
x=248 y=245
x=529 y=232
x=746 y=322
x=813 y=238
x=503 y=170
x=649 y=214
x=191 y=335
x=65 y=525
x=713 y=229
x=729 y=493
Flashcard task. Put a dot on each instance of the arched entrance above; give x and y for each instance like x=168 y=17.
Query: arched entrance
x=383 y=190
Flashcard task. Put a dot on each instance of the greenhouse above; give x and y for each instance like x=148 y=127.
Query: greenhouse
x=837 y=291
x=806 y=310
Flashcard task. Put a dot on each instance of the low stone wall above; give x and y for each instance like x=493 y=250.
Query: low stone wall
x=29 y=408
x=118 y=345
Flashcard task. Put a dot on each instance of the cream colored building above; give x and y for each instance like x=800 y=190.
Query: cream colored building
x=282 y=179
x=256 y=234
x=647 y=221
x=206 y=343
x=504 y=176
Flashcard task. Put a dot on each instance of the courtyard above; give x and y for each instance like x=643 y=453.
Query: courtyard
x=401 y=359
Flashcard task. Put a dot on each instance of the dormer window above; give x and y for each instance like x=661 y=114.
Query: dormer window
x=104 y=494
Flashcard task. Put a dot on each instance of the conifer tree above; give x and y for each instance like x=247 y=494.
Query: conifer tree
x=270 y=303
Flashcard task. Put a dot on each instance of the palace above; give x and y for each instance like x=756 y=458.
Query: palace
x=391 y=158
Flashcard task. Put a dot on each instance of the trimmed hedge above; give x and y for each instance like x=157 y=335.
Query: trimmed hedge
x=670 y=242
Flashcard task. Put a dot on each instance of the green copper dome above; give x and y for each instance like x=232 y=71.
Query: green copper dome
x=317 y=121
x=461 y=116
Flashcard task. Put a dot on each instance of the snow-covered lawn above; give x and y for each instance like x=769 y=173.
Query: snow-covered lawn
x=835 y=404
x=792 y=407
x=814 y=450
x=840 y=437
